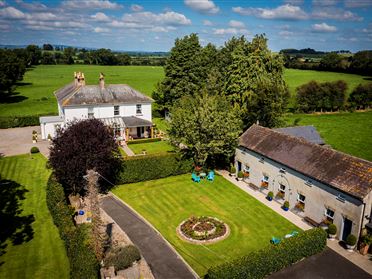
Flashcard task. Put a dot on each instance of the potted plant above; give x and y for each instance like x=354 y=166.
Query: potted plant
x=325 y=223
x=279 y=195
x=246 y=174
x=365 y=242
x=232 y=170
x=264 y=184
x=286 y=205
x=49 y=137
x=350 y=242
x=240 y=175
x=34 y=138
x=332 y=230
x=300 y=206
x=270 y=196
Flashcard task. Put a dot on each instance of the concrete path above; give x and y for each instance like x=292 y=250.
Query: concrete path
x=163 y=260
x=326 y=265
x=128 y=150
x=16 y=141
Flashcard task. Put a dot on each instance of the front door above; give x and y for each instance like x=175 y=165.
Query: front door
x=138 y=132
x=348 y=224
x=239 y=166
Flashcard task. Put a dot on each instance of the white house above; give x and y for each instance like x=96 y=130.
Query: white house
x=125 y=110
x=320 y=184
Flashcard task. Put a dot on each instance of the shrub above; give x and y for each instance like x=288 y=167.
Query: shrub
x=83 y=263
x=332 y=229
x=286 y=204
x=143 y=141
x=232 y=169
x=122 y=257
x=19 y=121
x=367 y=239
x=148 y=167
x=240 y=174
x=273 y=258
x=351 y=240
x=270 y=194
x=34 y=149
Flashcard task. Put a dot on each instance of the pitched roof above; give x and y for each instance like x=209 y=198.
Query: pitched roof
x=132 y=121
x=308 y=133
x=72 y=95
x=347 y=173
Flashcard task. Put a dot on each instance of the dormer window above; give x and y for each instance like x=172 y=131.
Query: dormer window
x=309 y=183
x=282 y=170
x=138 y=109
x=261 y=160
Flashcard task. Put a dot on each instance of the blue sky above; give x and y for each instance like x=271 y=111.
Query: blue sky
x=152 y=25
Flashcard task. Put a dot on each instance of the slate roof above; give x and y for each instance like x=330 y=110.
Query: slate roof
x=308 y=133
x=73 y=95
x=344 y=172
x=132 y=121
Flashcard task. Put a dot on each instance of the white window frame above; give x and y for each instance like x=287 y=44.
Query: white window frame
x=116 y=110
x=90 y=112
x=299 y=199
x=309 y=182
x=265 y=178
x=329 y=216
x=280 y=188
x=247 y=168
x=139 y=109
x=282 y=170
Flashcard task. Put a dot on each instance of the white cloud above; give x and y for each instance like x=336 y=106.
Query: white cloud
x=203 y=6
x=286 y=12
x=33 y=6
x=167 y=18
x=325 y=2
x=294 y=2
x=53 y=25
x=101 y=30
x=12 y=13
x=42 y=16
x=323 y=27
x=136 y=8
x=230 y=31
x=335 y=13
x=286 y=33
x=358 y=3
x=2 y=3
x=101 y=17
x=207 y=22
x=90 y=5
x=236 y=24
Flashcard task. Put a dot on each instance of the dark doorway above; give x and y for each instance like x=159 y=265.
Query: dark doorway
x=239 y=166
x=139 y=132
x=348 y=224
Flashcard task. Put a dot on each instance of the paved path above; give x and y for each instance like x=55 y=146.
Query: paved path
x=162 y=259
x=16 y=141
x=128 y=150
x=326 y=265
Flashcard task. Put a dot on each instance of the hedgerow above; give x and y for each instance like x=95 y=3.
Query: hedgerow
x=143 y=141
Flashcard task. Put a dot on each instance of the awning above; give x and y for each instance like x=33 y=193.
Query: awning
x=132 y=121
x=113 y=121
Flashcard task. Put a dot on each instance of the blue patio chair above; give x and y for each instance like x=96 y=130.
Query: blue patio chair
x=210 y=176
x=294 y=233
x=275 y=240
x=195 y=178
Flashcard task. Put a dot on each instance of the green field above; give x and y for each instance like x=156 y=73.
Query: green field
x=167 y=202
x=44 y=256
x=347 y=132
x=151 y=147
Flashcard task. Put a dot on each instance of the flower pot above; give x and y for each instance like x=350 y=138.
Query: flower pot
x=332 y=236
x=350 y=248
x=285 y=208
x=269 y=198
x=33 y=141
x=364 y=249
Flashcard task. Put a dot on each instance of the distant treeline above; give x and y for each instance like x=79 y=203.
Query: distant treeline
x=340 y=61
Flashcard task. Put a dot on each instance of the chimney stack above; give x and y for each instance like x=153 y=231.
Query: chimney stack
x=101 y=80
x=80 y=78
x=75 y=79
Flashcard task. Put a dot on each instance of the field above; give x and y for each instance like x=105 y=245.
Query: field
x=151 y=147
x=44 y=256
x=167 y=202
x=347 y=132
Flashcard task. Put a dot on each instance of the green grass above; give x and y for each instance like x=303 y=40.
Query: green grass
x=40 y=83
x=161 y=124
x=44 y=256
x=167 y=202
x=151 y=147
x=347 y=132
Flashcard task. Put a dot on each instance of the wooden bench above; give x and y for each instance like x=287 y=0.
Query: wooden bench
x=311 y=221
x=254 y=187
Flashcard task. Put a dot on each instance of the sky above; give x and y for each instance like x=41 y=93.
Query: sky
x=153 y=25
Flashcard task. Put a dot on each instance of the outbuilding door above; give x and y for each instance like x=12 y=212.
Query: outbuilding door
x=348 y=224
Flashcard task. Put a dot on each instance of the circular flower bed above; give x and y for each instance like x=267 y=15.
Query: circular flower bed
x=203 y=230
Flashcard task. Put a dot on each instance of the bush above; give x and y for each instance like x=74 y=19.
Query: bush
x=270 y=194
x=143 y=141
x=367 y=239
x=332 y=229
x=351 y=240
x=148 y=167
x=83 y=263
x=273 y=258
x=286 y=204
x=232 y=170
x=34 y=149
x=19 y=121
x=240 y=174
x=122 y=257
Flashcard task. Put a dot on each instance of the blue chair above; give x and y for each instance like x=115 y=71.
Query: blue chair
x=195 y=178
x=294 y=233
x=210 y=176
x=275 y=240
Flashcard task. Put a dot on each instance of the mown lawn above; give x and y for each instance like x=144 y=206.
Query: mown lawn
x=151 y=147
x=347 y=132
x=167 y=202
x=44 y=256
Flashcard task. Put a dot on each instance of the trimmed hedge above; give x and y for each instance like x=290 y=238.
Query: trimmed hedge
x=19 y=121
x=34 y=149
x=149 y=167
x=263 y=262
x=122 y=257
x=143 y=141
x=83 y=262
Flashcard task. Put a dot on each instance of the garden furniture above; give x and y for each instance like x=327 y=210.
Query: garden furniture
x=210 y=176
x=275 y=240
x=203 y=175
x=195 y=178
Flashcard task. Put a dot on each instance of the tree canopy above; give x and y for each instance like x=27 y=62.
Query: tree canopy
x=361 y=97
x=82 y=146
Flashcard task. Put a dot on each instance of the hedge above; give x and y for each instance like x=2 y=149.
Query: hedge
x=143 y=141
x=19 y=121
x=273 y=258
x=34 y=149
x=83 y=263
x=122 y=257
x=149 y=167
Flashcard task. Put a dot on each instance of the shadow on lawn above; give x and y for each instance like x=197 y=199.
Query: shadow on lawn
x=10 y=98
x=14 y=227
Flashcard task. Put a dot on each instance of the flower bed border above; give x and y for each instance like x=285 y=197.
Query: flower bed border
x=200 y=242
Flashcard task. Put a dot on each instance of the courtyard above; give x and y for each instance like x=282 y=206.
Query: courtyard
x=165 y=203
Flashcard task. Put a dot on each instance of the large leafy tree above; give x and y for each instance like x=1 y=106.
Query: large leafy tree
x=361 y=97
x=81 y=146
x=254 y=82
x=206 y=127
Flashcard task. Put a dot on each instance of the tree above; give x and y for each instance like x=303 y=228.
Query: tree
x=48 y=47
x=68 y=54
x=34 y=54
x=207 y=126
x=331 y=62
x=82 y=146
x=48 y=59
x=362 y=62
x=361 y=97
